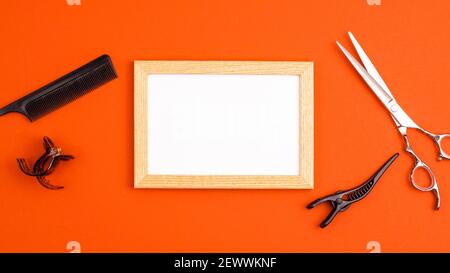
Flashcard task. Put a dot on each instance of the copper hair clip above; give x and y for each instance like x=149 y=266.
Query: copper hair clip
x=45 y=164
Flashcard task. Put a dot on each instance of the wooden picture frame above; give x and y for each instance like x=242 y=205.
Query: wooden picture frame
x=305 y=179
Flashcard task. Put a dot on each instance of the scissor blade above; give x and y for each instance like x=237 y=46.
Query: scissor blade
x=400 y=116
x=368 y=64
x=373 y=84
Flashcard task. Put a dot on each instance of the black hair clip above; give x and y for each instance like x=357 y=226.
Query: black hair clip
x=342 y=200
x=45 y=164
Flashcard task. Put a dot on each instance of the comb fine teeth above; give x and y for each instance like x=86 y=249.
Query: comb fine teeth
x=71 y=91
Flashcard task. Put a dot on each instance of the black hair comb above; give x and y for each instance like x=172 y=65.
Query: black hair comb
x=64 y=90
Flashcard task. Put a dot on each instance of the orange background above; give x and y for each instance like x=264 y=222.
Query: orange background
x=42 y=40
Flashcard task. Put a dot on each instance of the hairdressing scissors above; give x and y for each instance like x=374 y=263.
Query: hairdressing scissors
x=370 y=75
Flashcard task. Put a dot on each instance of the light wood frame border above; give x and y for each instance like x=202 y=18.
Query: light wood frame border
x=305 y=71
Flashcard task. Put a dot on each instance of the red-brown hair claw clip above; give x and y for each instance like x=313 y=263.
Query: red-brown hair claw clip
x=45 y=164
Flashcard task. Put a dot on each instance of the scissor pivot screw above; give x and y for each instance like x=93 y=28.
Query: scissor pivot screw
x=394 y=108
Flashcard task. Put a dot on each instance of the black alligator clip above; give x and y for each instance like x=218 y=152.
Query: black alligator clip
x=342 y=200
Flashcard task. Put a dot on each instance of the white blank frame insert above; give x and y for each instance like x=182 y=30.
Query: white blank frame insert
x=208 y=124
x=223 y=124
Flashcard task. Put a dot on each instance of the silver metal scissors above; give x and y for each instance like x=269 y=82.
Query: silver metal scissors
x=371 y=76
